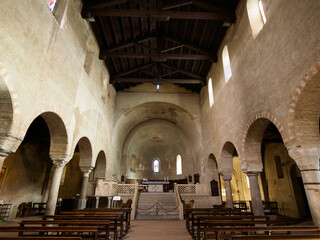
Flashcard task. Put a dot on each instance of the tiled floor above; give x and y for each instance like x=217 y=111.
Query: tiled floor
x=158 y=230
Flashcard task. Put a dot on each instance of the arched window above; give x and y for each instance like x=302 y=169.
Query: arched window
x=52 y=4
x=226 y=64
x=156 y=165
x=210 y=92
x=257 y=17
x=179 y=165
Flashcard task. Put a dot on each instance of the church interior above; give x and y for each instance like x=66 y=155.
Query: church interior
x=162 y=104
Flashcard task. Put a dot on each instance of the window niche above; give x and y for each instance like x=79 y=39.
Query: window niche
x=179 y=165
x=257 y=17
x=226 y=64
x=156 y=166
x=210 y=92
x=278 y=164
x=59 y=10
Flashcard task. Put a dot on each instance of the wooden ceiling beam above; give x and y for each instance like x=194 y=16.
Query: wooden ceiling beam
x=103 y=4
x=190 y=46
x=172 y=48
x=212 y=7
x=176 y=4
x=141 y=67
x=157 y=80
x=161 y=15
x=190 y=74
x=128 y=44
x=156 y=57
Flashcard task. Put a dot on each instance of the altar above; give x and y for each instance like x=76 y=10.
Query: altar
x=154 y=186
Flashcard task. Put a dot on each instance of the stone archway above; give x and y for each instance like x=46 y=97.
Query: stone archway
x=213 y=175
x=101 y=166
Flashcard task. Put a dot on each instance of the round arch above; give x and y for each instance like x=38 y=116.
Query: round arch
x=101 y=165
x=85 y=150
x=135 y=129
x=252 y=138
x=304 y=111
x=227 y=154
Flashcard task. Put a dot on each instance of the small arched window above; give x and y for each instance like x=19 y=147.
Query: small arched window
x=210 y=92
x=257 y=17
x=52 y=4
x=156 y=165
x=179 y=165
x=226 y=64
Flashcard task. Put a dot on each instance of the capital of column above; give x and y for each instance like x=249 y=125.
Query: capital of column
x=226 y=178
x=86 y=171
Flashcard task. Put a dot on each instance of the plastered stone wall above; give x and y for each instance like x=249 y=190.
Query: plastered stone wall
x=266 y=71
x=47 y=69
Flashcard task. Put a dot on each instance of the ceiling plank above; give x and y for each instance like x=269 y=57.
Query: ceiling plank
x=183 y=71
x=157 y=80
x=155 y=56
x=212 y=7
x=141 y=67
x=163 y=15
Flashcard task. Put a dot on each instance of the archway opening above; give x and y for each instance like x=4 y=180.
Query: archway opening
x=26 y=173
x=213 y=175
x=281 y=178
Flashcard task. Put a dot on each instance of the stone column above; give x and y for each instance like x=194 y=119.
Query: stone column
x=257 y=206
x=227 y=184
x=311 y=182
x=307 y=160
x=58 y=166
x=84 y=186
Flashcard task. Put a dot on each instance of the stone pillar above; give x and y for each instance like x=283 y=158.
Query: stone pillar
x=58 y=166
x=84 y=186
x=227 y=184
x=311 y=182
x=307 y=160
x=257 y=206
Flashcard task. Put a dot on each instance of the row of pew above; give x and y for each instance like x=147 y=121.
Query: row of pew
x=226 y=223
x=105 y=223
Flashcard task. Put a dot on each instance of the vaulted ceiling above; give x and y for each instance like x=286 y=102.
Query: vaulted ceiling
x=159 y=41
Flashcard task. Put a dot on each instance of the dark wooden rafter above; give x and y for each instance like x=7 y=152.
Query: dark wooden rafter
x=183 y=71
x=130 y=71
x=161 y=15
x=157 y=41
x=157 y=80
x=162 y=57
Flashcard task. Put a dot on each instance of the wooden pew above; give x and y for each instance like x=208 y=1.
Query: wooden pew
x=127 y=212
x=191 y=212
x=278 y=237
x=200 y=221
x=111 y=214
x=191 y=215
x=92 y=231
x=218 y=232
x=115 y=221
x=41 y=238
x=103 y=225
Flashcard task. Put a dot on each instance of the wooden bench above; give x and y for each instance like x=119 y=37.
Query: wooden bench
x=103 y=225
x=127 y=212
x=92 y=232
x=279 y=237
x=119 y=216
x=228 y=232
x=200 y=221
x=191 y=212
x=115 y=221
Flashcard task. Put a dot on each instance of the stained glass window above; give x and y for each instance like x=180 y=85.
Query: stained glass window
x=156 y=165
x=52 y=4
